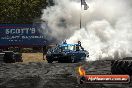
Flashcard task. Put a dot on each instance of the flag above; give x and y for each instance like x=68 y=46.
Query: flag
x=86 y=7
x=83 y=2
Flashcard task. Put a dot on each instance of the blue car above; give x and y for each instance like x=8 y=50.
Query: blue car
x=67 y=53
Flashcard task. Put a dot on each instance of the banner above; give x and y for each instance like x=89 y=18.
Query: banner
x=22 y=35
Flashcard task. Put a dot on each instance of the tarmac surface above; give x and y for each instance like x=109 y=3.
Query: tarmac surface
x=54 y=75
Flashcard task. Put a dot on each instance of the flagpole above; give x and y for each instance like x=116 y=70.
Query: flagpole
x=83 y=2
x=81 y=16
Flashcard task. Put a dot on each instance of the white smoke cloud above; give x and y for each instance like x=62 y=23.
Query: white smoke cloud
x=107 y=26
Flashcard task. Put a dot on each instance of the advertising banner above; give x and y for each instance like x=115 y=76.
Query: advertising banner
x=21 y=35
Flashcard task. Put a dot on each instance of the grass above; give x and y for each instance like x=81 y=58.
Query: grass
x=32 y=57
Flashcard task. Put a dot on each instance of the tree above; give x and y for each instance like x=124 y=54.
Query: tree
x=21 y=11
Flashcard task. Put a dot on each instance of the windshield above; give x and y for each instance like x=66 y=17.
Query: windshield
x=68 y=47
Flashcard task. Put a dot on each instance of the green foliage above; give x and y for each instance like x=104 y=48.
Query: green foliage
x=20 y=11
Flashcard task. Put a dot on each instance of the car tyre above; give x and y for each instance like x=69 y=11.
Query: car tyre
x=50 y=61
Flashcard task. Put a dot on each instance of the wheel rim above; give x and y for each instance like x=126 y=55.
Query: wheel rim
x=72 y=59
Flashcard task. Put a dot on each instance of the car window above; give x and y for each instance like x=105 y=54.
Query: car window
x=68 y=47
x=78 y=48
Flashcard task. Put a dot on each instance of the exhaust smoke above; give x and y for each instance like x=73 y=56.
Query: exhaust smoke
x=107 y=26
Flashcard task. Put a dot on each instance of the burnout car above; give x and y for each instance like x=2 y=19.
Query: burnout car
x=67 y=53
